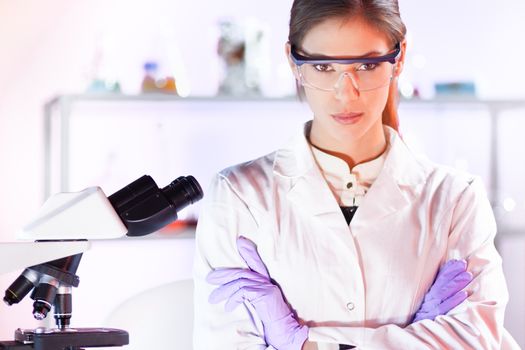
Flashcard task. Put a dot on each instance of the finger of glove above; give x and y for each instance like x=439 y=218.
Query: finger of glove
x=225 y=291
x=267 y=301
x=430 y=313
x=422 y=316
x=455 y=285
x=248 y=251
x=452 y=302
x=438 y=293
x=429 y=305
x=223 y=276
x=251 y=294
x=448 y=271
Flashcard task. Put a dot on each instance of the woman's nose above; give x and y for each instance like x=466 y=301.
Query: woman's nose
x=346 y=87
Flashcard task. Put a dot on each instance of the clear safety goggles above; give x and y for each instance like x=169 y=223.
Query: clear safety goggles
x=329 y=73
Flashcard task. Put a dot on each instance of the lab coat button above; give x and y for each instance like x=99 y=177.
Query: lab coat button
x=349 y=185
x=350 y=306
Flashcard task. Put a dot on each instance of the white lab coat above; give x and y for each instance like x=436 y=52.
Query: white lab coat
x=359 y=284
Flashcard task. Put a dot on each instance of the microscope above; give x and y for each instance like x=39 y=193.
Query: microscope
x=61 y=233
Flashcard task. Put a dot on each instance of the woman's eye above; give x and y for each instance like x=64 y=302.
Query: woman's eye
x=323 y=67
x=367 y=67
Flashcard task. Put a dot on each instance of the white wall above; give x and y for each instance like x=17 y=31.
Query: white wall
x=47 y=48
x=468 y=39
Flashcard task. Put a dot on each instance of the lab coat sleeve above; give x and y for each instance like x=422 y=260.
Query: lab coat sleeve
x=223 y=218
x=477 y=323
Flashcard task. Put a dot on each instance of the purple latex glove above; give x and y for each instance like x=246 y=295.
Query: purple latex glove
x=446 y=293
x=281 y=329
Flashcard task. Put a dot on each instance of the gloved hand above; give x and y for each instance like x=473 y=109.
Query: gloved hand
x=446 y=292
x=281 y=329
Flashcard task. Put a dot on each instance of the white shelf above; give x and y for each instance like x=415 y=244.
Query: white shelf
x=124 y=136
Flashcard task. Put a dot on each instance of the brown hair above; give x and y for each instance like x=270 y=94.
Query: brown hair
x=383 y=14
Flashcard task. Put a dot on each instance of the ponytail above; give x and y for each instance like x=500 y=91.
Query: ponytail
x=390 y=116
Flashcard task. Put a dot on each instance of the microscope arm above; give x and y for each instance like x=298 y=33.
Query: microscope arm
x=18 y=255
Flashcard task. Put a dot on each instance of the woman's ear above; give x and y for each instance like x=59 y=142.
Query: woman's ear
x=293 y=67
x=401 y=61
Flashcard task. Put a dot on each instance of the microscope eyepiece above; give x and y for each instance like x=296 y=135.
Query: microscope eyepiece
x=183 y=191
x=145 y=208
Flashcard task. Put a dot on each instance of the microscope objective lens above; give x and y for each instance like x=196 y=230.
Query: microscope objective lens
x=39 y=316
x=18 y=290
x=40 y=309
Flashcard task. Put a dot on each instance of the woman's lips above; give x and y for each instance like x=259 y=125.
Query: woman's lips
x=347 y=118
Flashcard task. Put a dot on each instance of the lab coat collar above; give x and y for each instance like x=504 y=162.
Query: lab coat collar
x=391 y=191
x=295 y=159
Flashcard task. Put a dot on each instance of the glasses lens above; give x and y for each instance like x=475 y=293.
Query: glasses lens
x=365 y=76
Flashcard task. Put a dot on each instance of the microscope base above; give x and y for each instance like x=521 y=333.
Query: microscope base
x=69 y=339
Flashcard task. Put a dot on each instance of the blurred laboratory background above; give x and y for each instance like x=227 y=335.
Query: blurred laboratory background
x=100 y=92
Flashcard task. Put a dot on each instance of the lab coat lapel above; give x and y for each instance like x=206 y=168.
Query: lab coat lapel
x=398 y=183
x=311 y=193
x=384 y=198
x=297 y=171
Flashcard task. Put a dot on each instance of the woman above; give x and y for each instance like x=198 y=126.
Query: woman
x=335 y=240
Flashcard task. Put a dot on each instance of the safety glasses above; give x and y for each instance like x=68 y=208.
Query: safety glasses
x=329 y=73
x=299 y=59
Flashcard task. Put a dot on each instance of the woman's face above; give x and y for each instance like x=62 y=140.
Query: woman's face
x=345 y=116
